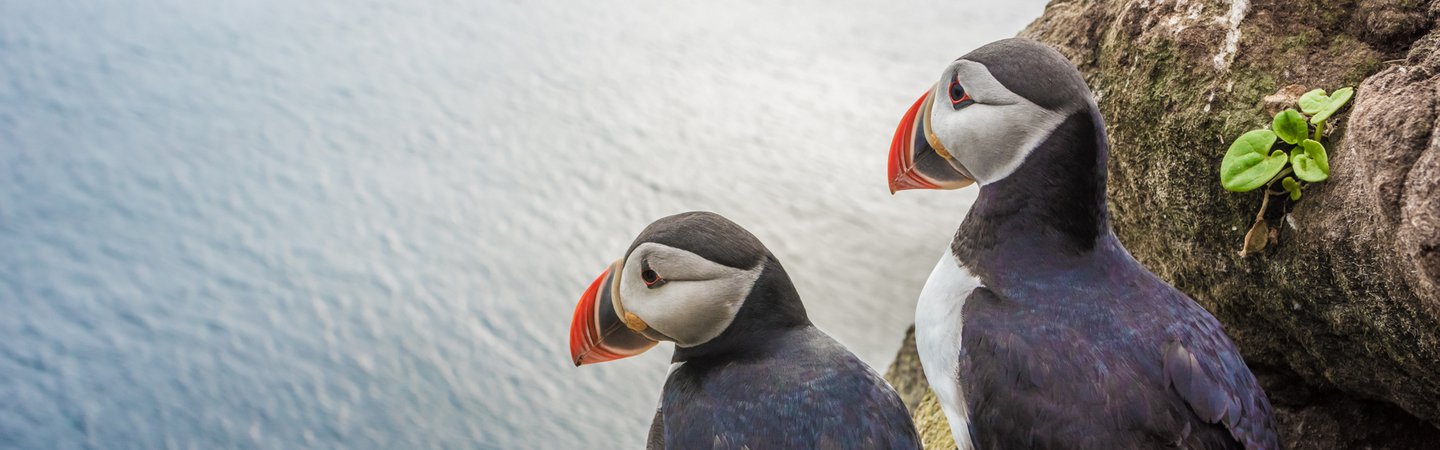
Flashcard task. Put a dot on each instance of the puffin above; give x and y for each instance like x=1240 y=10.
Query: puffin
x=1037 y=328
x=749 y=369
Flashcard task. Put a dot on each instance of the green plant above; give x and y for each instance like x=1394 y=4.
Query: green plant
x=1291 y=145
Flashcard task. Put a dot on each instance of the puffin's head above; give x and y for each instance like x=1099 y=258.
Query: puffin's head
x=981 y=120
x=684 y=280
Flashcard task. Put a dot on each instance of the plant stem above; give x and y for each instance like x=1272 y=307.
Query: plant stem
x=1264 y=202
x=1277 y=177
x=1319 y=130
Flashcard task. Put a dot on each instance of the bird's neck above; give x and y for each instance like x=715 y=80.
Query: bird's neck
x=1051 y=209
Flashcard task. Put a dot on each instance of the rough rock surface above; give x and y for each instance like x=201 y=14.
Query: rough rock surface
x=1341 y=320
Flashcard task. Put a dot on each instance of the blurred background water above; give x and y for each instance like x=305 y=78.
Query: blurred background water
x=364 y=224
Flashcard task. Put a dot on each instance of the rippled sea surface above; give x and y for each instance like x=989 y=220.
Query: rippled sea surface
x=361 y=224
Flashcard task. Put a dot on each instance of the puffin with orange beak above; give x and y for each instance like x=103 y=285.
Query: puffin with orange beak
x=1037 y=329
x=751 y=370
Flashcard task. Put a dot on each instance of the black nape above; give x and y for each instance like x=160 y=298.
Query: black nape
x=1054 y=200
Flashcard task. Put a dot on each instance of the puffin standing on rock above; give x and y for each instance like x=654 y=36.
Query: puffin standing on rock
x=1037 y=329
x=752 y=371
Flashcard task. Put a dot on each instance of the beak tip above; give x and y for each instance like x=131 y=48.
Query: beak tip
x=575 y=355
x=900 y=170
x=582 y=338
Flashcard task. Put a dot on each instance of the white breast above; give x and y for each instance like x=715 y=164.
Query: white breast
x=937 y=337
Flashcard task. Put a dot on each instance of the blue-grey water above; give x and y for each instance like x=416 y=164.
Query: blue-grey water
x=364 y=224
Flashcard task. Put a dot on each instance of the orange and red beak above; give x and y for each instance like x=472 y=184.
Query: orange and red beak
x=902 y=173
x=597 y=333
x=913 y=143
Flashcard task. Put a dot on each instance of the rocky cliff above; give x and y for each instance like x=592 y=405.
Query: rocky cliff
x=1341 y=319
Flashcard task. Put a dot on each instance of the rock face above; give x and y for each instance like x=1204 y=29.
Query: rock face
x=1341 y=320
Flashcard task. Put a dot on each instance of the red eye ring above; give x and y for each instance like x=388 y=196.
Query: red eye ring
x=959 y=98
x=649 y=277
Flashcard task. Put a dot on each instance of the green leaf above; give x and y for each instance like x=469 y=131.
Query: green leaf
x=1291 y=186
x=1310 y=161
x=1337 y=100
x=1290 y=126
x=1249 y=163
x=1314 y=101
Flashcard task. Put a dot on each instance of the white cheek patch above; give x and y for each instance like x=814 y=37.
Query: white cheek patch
x=698 y=300
x=992 y=137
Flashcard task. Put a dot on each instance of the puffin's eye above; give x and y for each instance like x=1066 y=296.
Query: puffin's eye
x=958 y=97
x=652 y=280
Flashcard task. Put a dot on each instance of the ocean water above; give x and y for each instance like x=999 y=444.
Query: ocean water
x=365 y=224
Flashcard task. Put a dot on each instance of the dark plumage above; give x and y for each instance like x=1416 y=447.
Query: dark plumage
x=1071 y=343
x=1065 y=340
x=771 y=379
x=803 y=390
